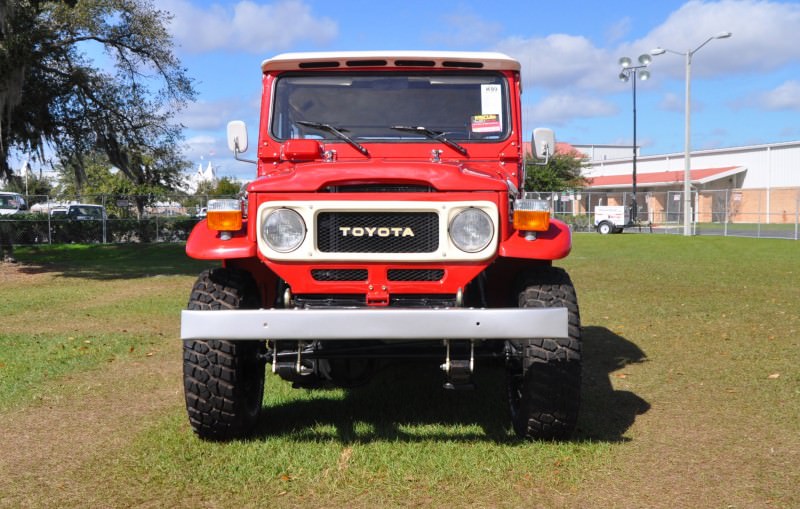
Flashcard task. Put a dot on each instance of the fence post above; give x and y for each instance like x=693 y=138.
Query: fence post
x=758 y=215
x=725 y=212
x=49 y=225
x=105 y=214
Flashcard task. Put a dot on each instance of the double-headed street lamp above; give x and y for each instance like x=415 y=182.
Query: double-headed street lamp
x=687 y=175
x=631 y=72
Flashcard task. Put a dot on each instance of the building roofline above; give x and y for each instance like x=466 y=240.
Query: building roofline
x=663 y=178
x=679 y=155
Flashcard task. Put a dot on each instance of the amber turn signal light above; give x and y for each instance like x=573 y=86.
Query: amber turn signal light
x=224 y=215
x=532 y=215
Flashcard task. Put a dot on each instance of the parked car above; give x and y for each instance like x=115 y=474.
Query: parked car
x=11 y=203
x=58 y=212
x=78 y=222
x=86 y=212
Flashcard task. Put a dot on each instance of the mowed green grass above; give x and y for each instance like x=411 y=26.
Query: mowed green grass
x=106 y=304
x=705 y=329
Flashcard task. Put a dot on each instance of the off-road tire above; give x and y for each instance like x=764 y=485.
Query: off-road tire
x=223 y=380
x=544 y=374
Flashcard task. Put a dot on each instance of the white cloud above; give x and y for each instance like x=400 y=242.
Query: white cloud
x=618 y=30
x=765 y=37
x=671 y=102
x=561 y=60
x=247 y=27
x=677 y=103
x=214 y=115
x=198 y=148
x=784 y=97
x=465 y=28
x=203 y=115
x=790 y=132
x=559 y=109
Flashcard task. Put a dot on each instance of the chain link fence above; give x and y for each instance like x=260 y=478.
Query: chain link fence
x=104 y=219
x=761 y=213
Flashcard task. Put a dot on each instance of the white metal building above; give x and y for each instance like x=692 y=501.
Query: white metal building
x=768 y=166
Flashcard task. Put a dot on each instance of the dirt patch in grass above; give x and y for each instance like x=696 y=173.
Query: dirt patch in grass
x=19 y=273
x=46 y=443
x=697 y=450
x=72 y=419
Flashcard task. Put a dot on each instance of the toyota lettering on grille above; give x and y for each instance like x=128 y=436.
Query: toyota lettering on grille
x=374 y=231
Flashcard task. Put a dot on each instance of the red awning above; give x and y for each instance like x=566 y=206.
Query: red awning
x=562 y=147
x=663 y=178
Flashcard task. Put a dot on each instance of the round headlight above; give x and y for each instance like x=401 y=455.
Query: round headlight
x=283 y=230
x=471 y=230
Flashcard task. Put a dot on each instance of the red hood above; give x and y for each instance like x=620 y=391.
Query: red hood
x=311 y=177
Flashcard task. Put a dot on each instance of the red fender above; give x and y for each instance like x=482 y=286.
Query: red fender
x=205 y=244
x=553 y=244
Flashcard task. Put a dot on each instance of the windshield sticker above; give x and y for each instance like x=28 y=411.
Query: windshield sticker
x=486 y=123
x=491 y=99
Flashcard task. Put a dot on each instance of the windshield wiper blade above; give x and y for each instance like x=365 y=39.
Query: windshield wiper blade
x=336 y=132
x=434 y=135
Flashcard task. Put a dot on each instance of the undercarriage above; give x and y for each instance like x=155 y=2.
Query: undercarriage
x=318 y=364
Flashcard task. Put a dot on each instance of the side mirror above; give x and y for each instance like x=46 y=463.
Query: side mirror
x=237 y=140
x=543 y=144
x=237 y=136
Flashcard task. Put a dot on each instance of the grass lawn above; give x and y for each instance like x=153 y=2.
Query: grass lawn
x=691 y=394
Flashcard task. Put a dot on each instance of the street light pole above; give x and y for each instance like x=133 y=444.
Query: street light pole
x=687 y=149
x=627 y=72
x=687 y=140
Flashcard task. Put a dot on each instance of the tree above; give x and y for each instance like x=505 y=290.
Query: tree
x=36 y=188
x=562 y=172
x=224 y=187
x=52 y=94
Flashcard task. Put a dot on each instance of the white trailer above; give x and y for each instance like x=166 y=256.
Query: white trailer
x=611 y=218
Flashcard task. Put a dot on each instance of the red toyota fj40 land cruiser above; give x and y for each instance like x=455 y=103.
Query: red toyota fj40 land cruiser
x=386 y=220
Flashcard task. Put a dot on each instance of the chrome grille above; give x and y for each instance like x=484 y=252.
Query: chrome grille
x=377 y=232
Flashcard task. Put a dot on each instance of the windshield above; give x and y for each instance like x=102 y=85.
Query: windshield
x=371 y=106
x=9 y=201
x=85 y=210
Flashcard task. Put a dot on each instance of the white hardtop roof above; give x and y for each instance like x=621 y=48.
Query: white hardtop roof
x=356 y=59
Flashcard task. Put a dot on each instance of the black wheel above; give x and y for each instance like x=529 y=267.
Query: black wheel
x=223 y=380
x=604 y=228
x=544 y=374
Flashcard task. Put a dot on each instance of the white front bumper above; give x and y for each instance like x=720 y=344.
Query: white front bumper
x=389 y=324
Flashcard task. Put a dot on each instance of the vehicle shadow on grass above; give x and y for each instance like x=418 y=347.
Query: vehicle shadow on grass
x=405 y=402
x=607 y=413
x=109 y=261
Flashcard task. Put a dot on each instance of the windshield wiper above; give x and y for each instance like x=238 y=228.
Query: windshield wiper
x=336 y=132
x=434 y=135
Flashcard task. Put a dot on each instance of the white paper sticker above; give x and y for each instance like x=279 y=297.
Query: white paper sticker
x=491 y=100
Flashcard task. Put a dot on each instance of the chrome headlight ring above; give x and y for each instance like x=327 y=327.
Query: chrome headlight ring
x=471 y=230
x=283 y=230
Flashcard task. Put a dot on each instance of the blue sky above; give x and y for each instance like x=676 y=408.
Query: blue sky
x=745 y=89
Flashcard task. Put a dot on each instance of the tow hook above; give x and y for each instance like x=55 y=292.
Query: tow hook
x=458 y=370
